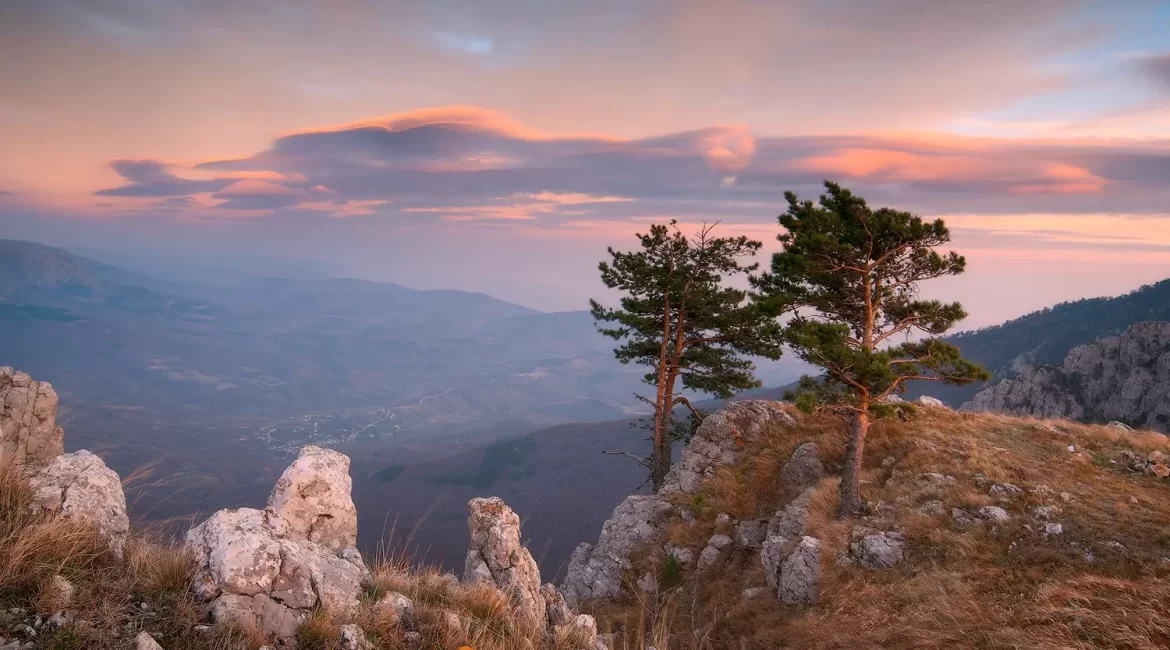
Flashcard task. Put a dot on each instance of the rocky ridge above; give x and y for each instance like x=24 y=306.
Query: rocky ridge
x=271 y=569
x=595 y=570
x=1123 y=378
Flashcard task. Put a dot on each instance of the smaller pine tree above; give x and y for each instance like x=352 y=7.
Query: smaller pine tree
x=678 y=318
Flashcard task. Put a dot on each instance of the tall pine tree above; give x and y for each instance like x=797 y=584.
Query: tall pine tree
x=850 y=275
x=678 y=318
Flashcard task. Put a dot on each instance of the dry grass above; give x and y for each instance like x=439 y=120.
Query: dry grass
x=107 y=605
x=1005 y=586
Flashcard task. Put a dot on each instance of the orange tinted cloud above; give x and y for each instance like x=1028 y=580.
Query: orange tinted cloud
x=472 y=117
x=1022 y=176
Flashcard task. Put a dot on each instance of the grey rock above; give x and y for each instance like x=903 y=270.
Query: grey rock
x=1045 y=512
x=59 y=620
x=878 y=550
x=790 y=522
x=751 y=533
x=719 y=541
x=994 y=514
x=720 y=440
x=708 y=557
x=79 y=486
x=648 y=583
x=596 y=571
x=932 y=402
x=395 y=607
x=804 y=469
x=800 y=573
x=353 y=637
x=685 y=556
x=1053 y=529
x=496 y=556
x=1121 y=378
x=557 y=611
x=722 y=519
x=29 y=435
x=1005 y=491
x=752 y=592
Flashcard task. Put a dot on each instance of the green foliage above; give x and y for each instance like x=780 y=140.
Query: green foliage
x=674 y=290
x=670 y=573
x=677 y=317
x=850 y=274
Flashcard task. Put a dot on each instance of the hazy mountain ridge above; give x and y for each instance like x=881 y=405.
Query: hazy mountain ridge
x=287 y=346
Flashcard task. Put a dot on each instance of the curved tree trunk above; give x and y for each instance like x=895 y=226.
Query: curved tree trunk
x=851 y=474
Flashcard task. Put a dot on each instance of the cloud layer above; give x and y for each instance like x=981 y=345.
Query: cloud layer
x=464 y=164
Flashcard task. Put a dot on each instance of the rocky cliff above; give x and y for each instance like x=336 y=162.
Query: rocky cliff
x=1124 y=378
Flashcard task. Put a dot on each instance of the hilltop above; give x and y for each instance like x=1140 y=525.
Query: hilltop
x=980 y=531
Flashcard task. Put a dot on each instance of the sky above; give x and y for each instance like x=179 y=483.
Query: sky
x=501 y=146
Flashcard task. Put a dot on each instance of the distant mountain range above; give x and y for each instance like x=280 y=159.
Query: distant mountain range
x=1046 y=336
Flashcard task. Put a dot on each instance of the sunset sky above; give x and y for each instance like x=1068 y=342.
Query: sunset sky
x=501 y=146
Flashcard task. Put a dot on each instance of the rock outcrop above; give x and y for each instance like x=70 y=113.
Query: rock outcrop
x=804 y=469
x=595 y=571
x=720 y=440
x=1124 y=378
x=314 y=496
x=29 y=435
x=795 y=574
x=79 y=486
x=496 y=556
x=270 y=568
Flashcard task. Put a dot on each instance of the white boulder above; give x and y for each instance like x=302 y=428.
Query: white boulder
x=79 y=486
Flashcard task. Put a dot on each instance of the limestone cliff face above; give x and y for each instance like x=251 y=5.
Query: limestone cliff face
x=1125 y=378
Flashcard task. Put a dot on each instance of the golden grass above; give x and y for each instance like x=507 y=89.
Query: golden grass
x=981 y=587
x=109 y=593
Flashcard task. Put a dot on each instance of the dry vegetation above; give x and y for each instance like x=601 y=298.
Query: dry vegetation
x=1103 y=583
x=114 y=600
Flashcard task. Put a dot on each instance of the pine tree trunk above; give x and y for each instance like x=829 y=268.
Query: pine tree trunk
x=851 y=474
x=661 y=463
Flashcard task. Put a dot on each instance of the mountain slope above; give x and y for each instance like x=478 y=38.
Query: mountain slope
x=982 y=531
x=1046 y=336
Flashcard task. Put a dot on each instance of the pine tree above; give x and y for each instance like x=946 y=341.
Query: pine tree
x=849 y=274
x=678 y=317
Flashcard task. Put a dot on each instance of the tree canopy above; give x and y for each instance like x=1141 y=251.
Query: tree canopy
x=849 y=277
x=678 y=317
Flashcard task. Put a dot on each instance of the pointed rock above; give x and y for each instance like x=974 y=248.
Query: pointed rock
x=314 y=496
x=496 y=556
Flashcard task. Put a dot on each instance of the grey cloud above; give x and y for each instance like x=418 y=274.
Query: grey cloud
x=1157 y=68
x=150 y=178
